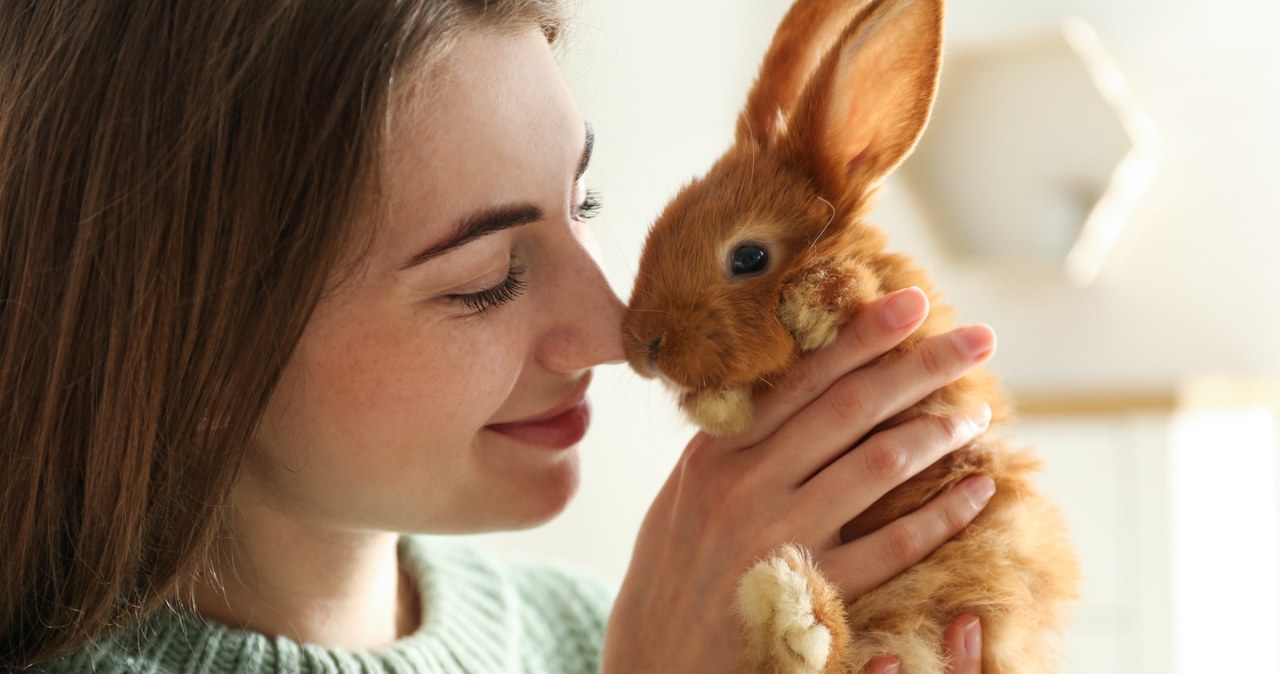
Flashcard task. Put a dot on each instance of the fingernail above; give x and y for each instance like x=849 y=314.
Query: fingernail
x=983 y=419
x=975 y=340
x=973 y=638
x=980 y=490
x=905 y=308
x=892 y=667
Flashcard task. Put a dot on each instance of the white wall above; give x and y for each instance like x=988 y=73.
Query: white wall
x=1192 y=287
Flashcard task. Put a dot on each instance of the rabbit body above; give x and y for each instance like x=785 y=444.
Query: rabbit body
x=843 y=95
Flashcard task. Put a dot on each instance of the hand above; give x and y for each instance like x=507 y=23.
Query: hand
x=961 y=644
x=804 y=468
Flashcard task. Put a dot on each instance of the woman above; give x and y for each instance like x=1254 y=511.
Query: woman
x=282 y=280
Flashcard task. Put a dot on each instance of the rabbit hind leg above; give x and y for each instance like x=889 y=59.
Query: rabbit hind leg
x=794 y=618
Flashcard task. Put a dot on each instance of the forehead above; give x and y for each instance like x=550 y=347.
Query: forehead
x=493 y=123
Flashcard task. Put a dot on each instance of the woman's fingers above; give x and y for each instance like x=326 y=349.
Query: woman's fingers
x=885 y=665
x=962 y=644
x=885 y=460
x=861 y=400
x=876 y=327
x=860 y=566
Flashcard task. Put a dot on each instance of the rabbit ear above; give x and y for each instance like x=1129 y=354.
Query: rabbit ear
x=868 y=102
x=805 y=35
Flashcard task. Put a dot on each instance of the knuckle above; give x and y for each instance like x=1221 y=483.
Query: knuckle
x=708 y=475
x=885 y=459
x=905 y=543
x=854 y=338
x=802 y=383
x=950 y=427
x=698 y=459
x=954 y=515
x=932 y=361
x=849 y=401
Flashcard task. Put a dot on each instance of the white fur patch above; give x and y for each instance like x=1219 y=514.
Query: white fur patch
x=776 y=603
x=726 y=412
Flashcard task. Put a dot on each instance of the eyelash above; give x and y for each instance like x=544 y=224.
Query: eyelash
x=513 y=286
x=590 y=206
x=489 y=298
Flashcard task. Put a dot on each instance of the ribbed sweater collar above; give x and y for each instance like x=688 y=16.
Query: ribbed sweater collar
x=471 y=624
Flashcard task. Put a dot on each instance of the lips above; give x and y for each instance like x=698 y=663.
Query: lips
x=559 y=432
x=560 y=427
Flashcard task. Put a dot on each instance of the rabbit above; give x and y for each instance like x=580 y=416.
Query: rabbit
x=764 y=258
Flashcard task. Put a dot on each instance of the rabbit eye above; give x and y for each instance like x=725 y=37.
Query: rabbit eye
x=748 y=259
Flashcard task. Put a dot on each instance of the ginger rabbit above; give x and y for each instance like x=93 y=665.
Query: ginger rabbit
x=764 y=258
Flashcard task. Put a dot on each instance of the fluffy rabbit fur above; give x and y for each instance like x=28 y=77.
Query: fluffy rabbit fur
x=843 y=94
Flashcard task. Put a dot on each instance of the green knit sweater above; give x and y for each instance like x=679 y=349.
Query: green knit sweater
x=482 y=614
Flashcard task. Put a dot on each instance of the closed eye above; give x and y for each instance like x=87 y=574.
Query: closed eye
x=590 y=206
x=507 y=290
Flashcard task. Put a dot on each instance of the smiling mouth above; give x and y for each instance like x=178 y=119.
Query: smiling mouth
x=559 y=427
x=561 y=431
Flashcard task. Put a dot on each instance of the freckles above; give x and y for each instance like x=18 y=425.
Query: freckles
x=445 y=382
x=352 y=373
x=392 y=378
x=352 y=383
x=481 y=371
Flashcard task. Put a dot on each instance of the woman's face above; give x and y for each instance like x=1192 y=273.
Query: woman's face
x=415 y=398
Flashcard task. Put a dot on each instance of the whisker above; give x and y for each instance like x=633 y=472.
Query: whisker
x=824 y=227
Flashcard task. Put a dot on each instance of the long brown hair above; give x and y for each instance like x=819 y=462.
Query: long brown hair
x=179 y=184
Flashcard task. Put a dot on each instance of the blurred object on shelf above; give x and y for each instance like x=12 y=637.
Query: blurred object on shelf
x=1036 y=155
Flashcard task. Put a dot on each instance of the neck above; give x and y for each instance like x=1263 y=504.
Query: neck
x=282 y=576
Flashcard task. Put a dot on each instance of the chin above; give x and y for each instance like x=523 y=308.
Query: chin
x=533 y=498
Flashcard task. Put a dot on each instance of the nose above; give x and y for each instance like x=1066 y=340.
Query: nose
x=580 y=324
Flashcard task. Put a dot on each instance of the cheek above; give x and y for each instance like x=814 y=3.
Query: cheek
x=395 y=397
x=447 y=383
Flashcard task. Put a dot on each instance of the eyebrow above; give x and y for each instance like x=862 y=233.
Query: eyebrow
x=498 y=218
x=588 y=145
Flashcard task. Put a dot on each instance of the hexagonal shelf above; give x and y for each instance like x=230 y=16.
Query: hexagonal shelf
x=1036 y=153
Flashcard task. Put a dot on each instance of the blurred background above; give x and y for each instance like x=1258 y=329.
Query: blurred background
x=1100 y=184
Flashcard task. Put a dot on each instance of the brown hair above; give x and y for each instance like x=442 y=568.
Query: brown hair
x=178 y=185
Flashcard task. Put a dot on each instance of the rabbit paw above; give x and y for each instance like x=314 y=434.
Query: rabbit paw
x=776 y=602
x=820 y=297
x=720 y=412
x=807 y=310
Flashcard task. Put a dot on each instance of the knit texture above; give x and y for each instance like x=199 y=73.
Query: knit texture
x=482 y=614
